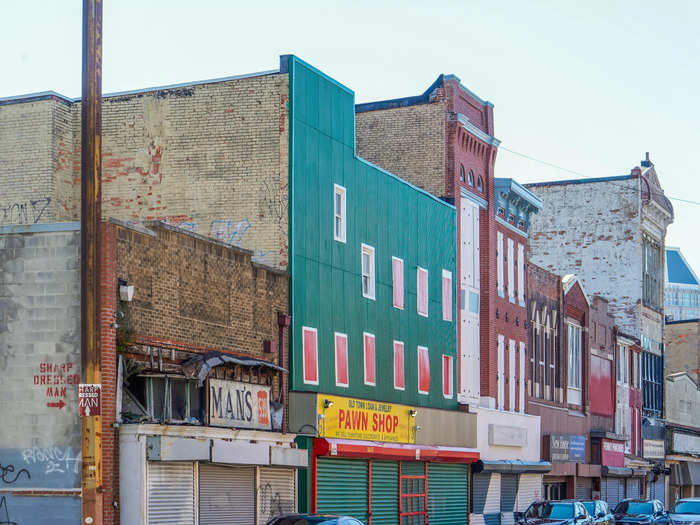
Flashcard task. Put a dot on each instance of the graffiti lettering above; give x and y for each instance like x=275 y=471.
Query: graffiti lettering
x=6 y=472
x=272 y=503
x=53 y=459
x=230 y=232
x=3 y=508
x=26 y=212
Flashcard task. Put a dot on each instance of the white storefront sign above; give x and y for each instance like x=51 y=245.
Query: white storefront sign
x=654 y=448
x=686 y=444
x=238 y=405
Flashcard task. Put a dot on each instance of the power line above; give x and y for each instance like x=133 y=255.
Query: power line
x=551 y=165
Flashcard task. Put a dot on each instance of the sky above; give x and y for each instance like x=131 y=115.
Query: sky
x=585 y=86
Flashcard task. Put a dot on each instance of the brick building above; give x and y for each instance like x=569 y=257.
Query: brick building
x=610 y=232
x=443 y=141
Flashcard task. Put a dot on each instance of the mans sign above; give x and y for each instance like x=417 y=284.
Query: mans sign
x=89 y=399
x=238 y=405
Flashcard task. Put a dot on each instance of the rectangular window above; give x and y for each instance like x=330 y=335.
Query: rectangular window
x=447 y=381
x=341 y=360
x=370 y=378
x=521 y=274
x=511 y=270
x=339 y=213
x=511 y=375
x=310 y=355
x=652 y=264
x=575 y=357
x=423 y=370
x=521 y=379
x=446 y=295
x=397 y=278
x=499 y=263
x=501 y=373
x=399 y=381
x=422 y=291
x=368 y=272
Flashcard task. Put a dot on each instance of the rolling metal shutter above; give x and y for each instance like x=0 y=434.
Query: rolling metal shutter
x=342 y=487
x=385 y=492
x=632 y=486
x=658 y=490
x=509 y=497
x=529 y=490
x=276 y=492
x=226 y=495
x=480 y=490
x=584 y=488
x=612 y=491
x=448 y=494
x=171 y=493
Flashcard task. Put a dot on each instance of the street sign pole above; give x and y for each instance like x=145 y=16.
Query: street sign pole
x=90 y=217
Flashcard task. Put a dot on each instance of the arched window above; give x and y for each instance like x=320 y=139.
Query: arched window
x=470 y=179
x=461 y=173
x=480 y=183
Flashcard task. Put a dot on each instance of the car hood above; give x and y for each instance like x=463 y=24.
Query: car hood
x=632 y=518
x=540 y=521
x=684 y=518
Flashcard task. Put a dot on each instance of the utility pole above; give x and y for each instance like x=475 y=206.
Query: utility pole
x=90 y=217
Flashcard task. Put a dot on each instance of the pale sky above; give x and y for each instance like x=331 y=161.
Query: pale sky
x=588 y=86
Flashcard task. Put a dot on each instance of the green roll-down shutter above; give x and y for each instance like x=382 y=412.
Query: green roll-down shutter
x=342 y=487
x=448 y=494
x=385 y=492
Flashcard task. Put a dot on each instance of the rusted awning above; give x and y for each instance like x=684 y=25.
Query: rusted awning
x=198 y=367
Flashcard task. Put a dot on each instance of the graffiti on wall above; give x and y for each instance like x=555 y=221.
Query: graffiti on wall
x=53 y=460
x=39 y=510
x=24 y=212
x=271 y=503
x=228 y=231
x=5 y=513
x=9 y=475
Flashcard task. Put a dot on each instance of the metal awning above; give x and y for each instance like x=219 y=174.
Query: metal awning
x=616 y=472
x=512 y=466
x=198 y=367
x=685 y=473
x=397 y=451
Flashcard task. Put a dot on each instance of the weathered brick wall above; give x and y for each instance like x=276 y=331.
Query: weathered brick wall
x=209 y=157
x=682 y=400
x=408 y=141
x=27 y=162
x=592 y=230
x=39 y=374
x=683 y=349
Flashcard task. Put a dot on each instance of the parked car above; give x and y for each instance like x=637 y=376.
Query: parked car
x=600 y=511
x=641 y=512
x=564 y=512
x=686 y=511
x=313 y=519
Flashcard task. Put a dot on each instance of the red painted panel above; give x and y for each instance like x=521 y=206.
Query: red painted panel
x=310 y=356
x=612 y=453
x=399 y=383
x=370 y=378
x=446 y=376
x=422 y=291
x=423 y=370
x=341 y=360
x=601 y=391
x=397 y=275
x=447 y=298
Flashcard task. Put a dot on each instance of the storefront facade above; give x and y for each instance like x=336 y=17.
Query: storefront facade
x=683 y=460
x=654 y=450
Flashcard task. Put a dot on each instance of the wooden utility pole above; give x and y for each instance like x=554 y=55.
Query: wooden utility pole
x=90 y=217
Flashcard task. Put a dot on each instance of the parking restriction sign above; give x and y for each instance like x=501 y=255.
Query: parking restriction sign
x=89 y=399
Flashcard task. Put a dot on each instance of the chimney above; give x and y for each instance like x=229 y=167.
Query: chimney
x=636 y=171
x=646 y=162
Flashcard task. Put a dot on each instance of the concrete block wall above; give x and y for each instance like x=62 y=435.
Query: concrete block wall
x=39 y=374
x=592 y=230
x=211 y=157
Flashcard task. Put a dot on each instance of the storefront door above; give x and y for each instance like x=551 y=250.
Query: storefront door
x=226 y=495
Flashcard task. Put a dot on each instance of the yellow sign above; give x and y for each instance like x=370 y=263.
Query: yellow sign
x=348 y=418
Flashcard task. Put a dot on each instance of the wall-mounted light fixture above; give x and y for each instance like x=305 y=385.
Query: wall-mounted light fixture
x=327 y=403
x=412 y=413
x=126 y=292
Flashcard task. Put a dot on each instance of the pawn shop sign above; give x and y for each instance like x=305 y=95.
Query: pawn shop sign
x=89 y=399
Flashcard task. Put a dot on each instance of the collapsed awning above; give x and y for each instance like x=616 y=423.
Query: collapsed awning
x=511 y=466
x=198 y=367
x=396 y=451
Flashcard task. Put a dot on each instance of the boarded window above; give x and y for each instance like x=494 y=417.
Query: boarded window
x=397 y=279
x=399 y=381
x=341 y=360
x=423 y=370
x=422 y=287
x=447 y=378
x=310 y=358
x=370 y=378
x=446 y=295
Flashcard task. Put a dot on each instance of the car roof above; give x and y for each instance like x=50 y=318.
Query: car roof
x=687 y=499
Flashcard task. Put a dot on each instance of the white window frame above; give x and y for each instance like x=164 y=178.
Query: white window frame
x=501 y=373
x=393 y=283
x=575 y=355
x=369 y=250
x=340 y=215
x=446 y=313
x=499 y=263
x=512 y=382
x=337 y=335
x=451 y=388
x=521 y=274
x=427 y=295
x=303 y=353
x=403 y=351
x=511 y=270
x=423 y=392
x=521 y=379
x=364 y=358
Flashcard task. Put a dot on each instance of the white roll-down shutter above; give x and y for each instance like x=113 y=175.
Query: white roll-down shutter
x=170 y=493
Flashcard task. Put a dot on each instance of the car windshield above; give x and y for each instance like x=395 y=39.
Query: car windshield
x=590 y=507
x=686 y=507
x=634 y=507
x=305 y=520
x=552 y=511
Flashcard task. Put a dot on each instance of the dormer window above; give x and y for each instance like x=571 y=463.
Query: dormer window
x=501 y=212
x=521 y=225
x=511 y=219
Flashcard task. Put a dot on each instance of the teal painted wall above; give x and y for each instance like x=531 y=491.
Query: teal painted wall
x=383 y=211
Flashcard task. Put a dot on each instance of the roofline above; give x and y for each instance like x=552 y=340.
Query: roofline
x=581 y=181
x=687 y=265
x=574 y=279
x=681 y=321
x=45 y=95
x=520 y=190
x=42 y=227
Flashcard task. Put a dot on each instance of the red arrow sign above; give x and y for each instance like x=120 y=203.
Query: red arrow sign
x=59 y=404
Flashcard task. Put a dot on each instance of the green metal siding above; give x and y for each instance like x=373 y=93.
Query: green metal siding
x=385 y=492
x=412 y=468
x=448 y=494
x=384 y=212
x=342 y=487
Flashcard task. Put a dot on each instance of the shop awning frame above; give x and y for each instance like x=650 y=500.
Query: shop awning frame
x=513 y=466
x=392 y=451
